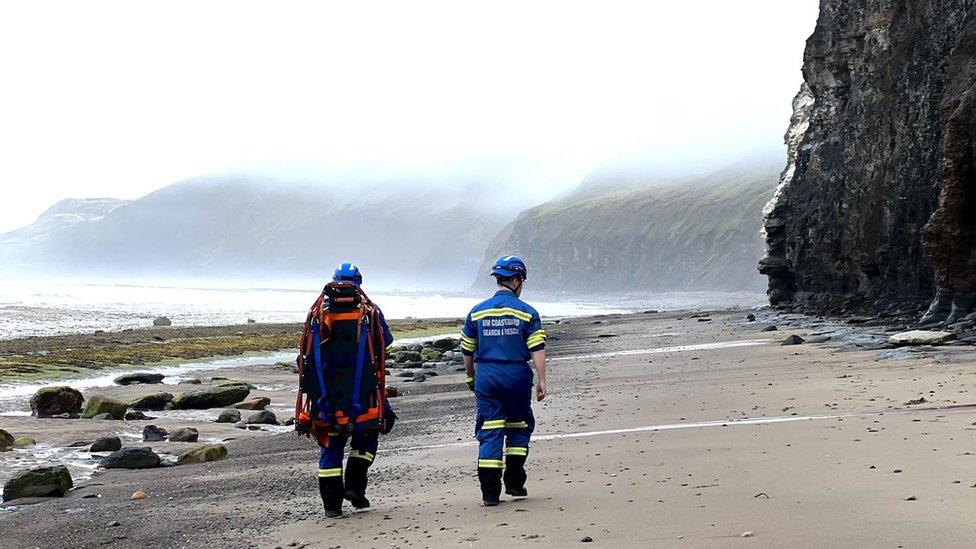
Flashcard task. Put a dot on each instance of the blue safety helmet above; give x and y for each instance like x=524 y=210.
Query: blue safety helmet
x=509 y=266
x=348 y=272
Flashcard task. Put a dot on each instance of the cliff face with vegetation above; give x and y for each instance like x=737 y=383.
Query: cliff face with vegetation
x=875 y=209
x=700 y=234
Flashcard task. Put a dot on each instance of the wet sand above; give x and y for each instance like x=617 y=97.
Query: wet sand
x=691 y=446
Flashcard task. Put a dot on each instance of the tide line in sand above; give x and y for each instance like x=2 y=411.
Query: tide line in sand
x=698 y=425
x=672 y=349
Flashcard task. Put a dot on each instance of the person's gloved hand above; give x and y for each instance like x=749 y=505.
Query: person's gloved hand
x=389 y=418
x=470 y=382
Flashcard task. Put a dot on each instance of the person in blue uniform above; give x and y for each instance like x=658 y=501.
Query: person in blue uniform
x=363 y=445
x=500 y=337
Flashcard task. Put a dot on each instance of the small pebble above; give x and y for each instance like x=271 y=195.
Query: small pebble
x=746 y=535
x=139 y=494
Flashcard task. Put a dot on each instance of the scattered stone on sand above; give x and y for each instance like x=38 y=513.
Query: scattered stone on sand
x=264 y=417
x=914 y=401
x=6 y=441
x=139 y=377
x=392 y=391
x=921 y=337
x=203 y=454
x=153 y=401
x=911 y=498
x=229 y=416
x=219 y=396
x=138 y=494
x=407 y=356
x=256 y=403
x=430 y=354
x=223 y=382
x=151 y=433
x=793 y=340
x=445 y=343
x=191 y=381
x=101 y=404
x=106 y=444
x=184 y=434
x=750 y=317
x=52 y=401
x=240 y=425
x=162 y=321
x=586 y=539
x=136 y=416
x=113 y=524
x=24 y=442
x=746 y=535
x=418 y=377
x=38 y=482
x=769 y=329
x=131 y=458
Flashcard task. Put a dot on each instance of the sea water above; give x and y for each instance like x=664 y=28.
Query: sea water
x=39 y=308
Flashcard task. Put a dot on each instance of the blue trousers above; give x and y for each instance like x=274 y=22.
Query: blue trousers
x=363 y=447
x=504 y=421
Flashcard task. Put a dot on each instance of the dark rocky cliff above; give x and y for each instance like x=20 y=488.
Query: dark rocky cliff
x=875 y=209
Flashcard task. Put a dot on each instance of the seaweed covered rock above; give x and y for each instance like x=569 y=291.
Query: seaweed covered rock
x=54 y=401
x=203 y=454
x=215 y=396
x=38 y=482
x=101 y=404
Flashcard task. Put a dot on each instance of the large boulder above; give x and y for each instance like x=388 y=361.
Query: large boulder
x=203 y=454
x=229 y=416
x=101 y=404
x=151 y=433
x=264 y=417
x=154 y=401
x=445 y=344
x=407 y=356
x=921 y=337
x=131 y=458
x=162 y=321
x=219 y=396
x=6 y=441
x=106 y=444
x=430 y=354
x=256 y=403
x=53 y=401
x=139 y=377
x=38 y=482
x=184 y=434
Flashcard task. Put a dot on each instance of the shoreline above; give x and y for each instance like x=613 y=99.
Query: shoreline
x=74 y=356
x=659 y=429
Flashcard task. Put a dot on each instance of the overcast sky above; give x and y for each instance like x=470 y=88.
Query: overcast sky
x=121 y=98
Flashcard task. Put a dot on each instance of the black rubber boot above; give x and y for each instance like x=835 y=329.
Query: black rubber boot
x=515 y=476
x=356 y=481
x=331 y=491
x=491 y=485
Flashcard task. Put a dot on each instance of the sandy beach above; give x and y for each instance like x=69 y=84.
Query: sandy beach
x=660 y=430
